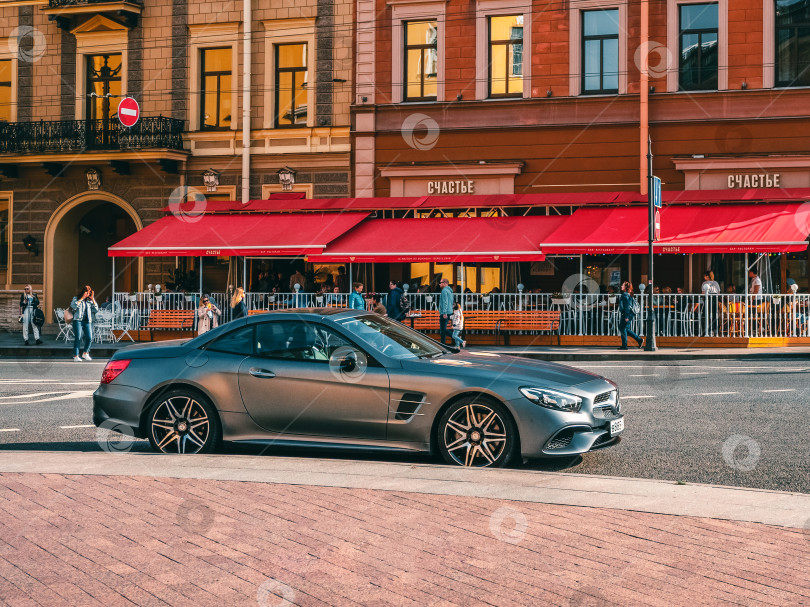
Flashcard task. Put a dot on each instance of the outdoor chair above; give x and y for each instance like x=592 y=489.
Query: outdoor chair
x=129 y=321
x=102 y=326
x=65 y=329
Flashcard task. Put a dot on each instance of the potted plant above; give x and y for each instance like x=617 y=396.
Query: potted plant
x=560 y=299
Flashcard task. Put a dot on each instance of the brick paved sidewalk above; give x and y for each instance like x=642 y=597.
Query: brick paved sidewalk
x=104 y=540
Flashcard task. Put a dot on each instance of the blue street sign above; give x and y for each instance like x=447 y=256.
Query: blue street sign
x=656 y=192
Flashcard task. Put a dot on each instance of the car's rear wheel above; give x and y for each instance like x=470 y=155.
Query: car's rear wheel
x=183 y=422
x=477 y=432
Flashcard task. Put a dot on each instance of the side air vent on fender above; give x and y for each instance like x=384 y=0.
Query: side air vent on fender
x=407 y=406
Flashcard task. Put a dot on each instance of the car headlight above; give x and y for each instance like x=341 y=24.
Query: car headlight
x=553 y=399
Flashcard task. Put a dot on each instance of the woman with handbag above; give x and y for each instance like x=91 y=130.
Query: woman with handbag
x=83 y=306
x=29 y=302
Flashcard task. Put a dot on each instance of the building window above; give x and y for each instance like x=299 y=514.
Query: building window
x=5 y=90
x=506 y=56
x=291 y=85
x=103 y=86
x=4 y=219
x=792 y=43
x=421 y=60
x=698 y=47
x=215 y=94
x=600 y=51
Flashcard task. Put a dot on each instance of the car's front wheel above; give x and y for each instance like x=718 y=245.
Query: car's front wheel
x=183 y=422
x=477 y=432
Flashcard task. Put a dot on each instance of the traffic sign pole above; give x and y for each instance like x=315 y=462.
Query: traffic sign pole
x=649 y=342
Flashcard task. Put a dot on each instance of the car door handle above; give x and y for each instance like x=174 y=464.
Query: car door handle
x=261 y=373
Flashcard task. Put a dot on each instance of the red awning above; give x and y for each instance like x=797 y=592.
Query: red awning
x=764 y=228
x=446 y=239
x=294 y=203
x=256 y=235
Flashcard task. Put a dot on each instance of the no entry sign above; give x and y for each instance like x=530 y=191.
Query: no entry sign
x=128 y=111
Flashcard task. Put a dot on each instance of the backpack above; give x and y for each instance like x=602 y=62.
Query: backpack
x=634 y=307
x=39 y=317
x=68 y=315
x=404 y=304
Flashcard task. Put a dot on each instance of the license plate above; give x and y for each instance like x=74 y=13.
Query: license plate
x=616 y=426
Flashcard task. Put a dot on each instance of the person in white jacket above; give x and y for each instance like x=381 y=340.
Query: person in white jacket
x=458 y=326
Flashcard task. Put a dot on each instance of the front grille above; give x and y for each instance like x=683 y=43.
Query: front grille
x=606 y=413
x=605 y=396
x=560 y=441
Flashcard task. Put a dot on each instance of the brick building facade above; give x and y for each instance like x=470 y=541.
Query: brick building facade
x=535 y=97
x=65 y=65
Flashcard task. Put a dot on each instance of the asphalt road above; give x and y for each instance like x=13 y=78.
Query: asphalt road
x=721 y=422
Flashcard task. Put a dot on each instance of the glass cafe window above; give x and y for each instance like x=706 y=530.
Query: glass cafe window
x=600 y=51
x=216 y=88
x=291 y=85
x=698 y=47
x=792 y=43
x=421 y=60
x=506 y=56
x=5 y=90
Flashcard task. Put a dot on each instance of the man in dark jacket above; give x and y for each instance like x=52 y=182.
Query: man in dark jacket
x=393 y=304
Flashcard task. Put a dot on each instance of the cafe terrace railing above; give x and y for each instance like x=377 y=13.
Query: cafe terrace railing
x=676 y=315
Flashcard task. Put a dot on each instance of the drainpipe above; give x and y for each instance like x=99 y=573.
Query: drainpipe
x=246 y=68
x=644 y=96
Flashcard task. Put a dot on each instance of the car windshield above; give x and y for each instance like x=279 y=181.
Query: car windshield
x=391 y=338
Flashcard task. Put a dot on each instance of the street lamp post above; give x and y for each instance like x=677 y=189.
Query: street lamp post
x=649 y=342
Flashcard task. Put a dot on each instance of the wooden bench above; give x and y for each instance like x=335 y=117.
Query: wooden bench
x=515 y=321
x=169 y=320
x=499 y=322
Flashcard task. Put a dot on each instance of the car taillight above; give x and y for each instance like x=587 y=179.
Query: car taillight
x=113 y=369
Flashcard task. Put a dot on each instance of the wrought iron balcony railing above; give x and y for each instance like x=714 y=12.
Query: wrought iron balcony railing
x=69 y=3
x=83 y=135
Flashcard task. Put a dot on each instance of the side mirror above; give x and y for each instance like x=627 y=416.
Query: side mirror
x=348 y=362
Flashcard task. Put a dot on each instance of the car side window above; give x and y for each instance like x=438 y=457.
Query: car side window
x=297 y=340
x=239 y=342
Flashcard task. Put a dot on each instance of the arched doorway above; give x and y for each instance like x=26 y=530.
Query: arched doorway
x=76 y=242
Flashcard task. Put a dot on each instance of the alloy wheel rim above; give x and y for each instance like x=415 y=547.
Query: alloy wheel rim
x=475 y=436
x=180 y=425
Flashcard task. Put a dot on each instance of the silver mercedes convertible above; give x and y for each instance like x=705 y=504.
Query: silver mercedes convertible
x=341 y=378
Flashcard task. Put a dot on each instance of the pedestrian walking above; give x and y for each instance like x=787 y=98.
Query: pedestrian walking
x=377 y=306
x=628 y=308
x=394 y=304
x=445 y=309
x=207 y=315
x=458 y=326
x=709 y=288
x=29 y=303
x=83 y=306
x=356 y=301
x=238 y=305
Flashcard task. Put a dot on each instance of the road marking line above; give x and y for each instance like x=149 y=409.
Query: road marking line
x=694 y=372
x=72 y=363
x=34 y=394
x=782 y=390
x=626 y=397
x=715 y=393
x=78 y=426
x=69 y=396
x=9 y=429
